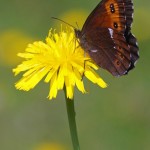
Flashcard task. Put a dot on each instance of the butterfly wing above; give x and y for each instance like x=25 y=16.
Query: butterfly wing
x=112 y=54
x=107 y=31
x=110 y=14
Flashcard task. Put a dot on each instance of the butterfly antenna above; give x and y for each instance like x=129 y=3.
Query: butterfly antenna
x=77 y=25
x=63 y=22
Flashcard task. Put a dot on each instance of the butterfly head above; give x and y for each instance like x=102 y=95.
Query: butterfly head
x=77 y=33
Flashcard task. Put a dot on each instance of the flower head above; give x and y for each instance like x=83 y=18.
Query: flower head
x=61 y=61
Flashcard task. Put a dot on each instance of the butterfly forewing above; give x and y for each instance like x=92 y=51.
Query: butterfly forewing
x=108 y=13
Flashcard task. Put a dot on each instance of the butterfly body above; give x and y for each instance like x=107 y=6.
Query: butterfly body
x=106 y=36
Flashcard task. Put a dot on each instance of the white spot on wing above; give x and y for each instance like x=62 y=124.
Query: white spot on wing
x=138 y=53
x=111 y=32
x=129 y=65
x=125 y=72
x=93 y=50
x=135 y=62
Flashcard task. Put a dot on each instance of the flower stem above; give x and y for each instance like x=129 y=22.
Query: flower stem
x=72 y=123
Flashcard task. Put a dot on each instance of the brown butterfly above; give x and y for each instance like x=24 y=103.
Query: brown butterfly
x=106 y=36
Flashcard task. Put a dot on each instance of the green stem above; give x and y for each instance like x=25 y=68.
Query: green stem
x=72 y=123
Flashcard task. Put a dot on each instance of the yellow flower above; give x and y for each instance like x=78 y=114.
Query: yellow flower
x=61 y=61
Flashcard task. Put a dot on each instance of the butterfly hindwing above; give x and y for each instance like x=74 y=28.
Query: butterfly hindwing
x=134 y=50
x=109 y=50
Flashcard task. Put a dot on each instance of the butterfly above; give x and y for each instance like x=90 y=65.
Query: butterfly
x=106 y=36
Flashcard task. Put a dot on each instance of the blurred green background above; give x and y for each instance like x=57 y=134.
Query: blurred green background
x=116 y=118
